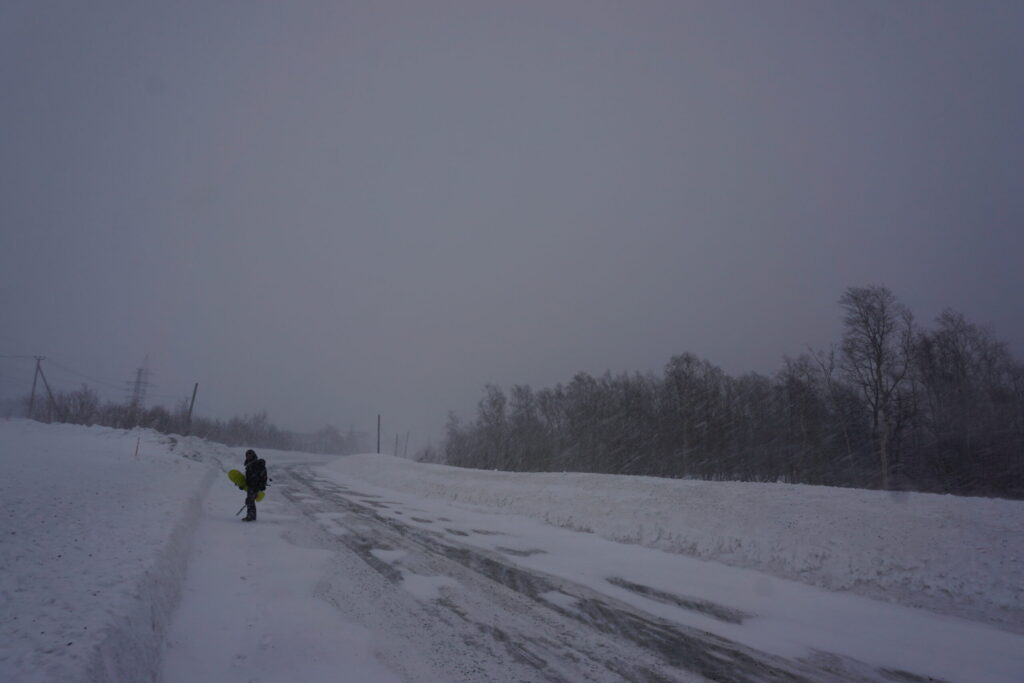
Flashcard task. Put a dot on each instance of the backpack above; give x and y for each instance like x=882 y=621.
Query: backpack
x=261 y=475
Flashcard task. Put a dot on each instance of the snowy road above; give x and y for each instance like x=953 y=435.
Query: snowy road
x=509 y=623
x=340 y=580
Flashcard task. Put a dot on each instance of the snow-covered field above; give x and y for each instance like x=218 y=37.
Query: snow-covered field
x=123 y=567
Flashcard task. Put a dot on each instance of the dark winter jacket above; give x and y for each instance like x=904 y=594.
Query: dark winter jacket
x=256 y=474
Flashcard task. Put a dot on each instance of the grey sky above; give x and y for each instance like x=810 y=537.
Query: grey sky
x=335 y=209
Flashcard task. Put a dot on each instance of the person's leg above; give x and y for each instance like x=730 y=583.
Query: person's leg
x=250 y=506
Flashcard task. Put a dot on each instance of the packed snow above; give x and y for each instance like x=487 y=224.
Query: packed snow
x=250 y=610
x=120 y=562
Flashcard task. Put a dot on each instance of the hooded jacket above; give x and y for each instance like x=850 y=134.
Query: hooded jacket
x=255 y=472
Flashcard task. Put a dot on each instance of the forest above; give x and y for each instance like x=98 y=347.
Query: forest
x=892 y=405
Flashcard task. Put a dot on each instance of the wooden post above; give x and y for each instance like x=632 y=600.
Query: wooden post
x=188 y=422
x=53 y=403
x=32 y=398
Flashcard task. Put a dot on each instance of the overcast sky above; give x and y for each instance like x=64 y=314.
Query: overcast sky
x=335 y=209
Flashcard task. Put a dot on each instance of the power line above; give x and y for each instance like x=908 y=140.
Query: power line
x=103 y=383
x=88 y=377
x=138 y=388
x=63 y=380
x=117 y=387
x=68 y=383
x=61 y=377
x=20 y=380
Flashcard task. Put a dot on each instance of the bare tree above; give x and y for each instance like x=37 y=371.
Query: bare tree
x=827 y=366
x=877 y=349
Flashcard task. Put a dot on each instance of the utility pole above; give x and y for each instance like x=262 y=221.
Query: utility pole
x=35 y=377
x=378 y=433
x=188 y=422
x=53 y=401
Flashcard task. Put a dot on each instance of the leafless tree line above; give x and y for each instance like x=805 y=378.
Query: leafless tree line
x=892 y=406
x=83 y=406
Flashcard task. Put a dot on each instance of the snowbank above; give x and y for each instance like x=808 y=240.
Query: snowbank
x=948 y=554
x=92 y=548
